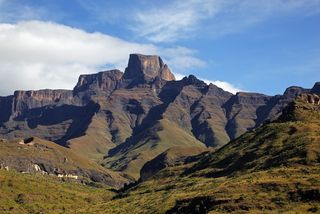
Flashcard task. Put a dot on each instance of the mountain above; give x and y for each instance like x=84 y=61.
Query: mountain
x=273 y=168
x=185 y=146
x=123 y=120
x=290 y=140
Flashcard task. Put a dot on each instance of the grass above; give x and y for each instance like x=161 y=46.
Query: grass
x=26 y=193
x=96 y=141
x=275 y=190
x=166 y=136
x=51 y=155
x=263 y=191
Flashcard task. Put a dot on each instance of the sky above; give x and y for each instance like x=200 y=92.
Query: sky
x=239 y=45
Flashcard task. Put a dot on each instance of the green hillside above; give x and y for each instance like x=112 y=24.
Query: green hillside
x=29 y=193
x=35 y=155
x=152 y=142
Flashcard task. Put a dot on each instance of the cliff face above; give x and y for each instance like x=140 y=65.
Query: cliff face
x=147 y=68
x=131 y=117
x=26 y=100
x=100 y=83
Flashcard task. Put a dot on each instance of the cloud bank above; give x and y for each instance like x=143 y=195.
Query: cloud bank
x=47 y=55
x=35 y=55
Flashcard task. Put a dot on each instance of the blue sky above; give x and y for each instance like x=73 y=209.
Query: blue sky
x=249 y=45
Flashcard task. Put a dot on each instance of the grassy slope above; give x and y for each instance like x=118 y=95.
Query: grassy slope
x=25 y=193
x=276 y=190
x=53 y=154
x=169 y=136
x=96 y=141
x=46 y=150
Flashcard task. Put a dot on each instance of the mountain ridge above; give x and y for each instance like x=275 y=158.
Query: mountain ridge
x=109 y=115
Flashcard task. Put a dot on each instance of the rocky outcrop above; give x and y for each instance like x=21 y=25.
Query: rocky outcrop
x=316 y=88
x=309 y=98
x=144 y=68
x=293 y=91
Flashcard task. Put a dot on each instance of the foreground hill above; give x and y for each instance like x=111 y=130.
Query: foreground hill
x=274 y=168
x=125 y=119
x=36 y=156
x=29 y=193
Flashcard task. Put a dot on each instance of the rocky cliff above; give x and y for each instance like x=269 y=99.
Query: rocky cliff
x=142 y=67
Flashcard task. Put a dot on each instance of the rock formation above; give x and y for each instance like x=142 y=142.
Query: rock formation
x=316 y=88
x=142 y=67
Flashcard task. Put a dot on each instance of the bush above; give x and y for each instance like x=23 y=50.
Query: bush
x=20 y=199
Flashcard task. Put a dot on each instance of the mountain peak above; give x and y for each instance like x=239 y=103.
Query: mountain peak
x=316 y=88
x=294 y=91
x=193 y=80
x=147 y=67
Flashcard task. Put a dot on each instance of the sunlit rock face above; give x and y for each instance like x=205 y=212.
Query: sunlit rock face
x=147 y=67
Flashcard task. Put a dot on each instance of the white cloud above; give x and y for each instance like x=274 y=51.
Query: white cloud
x=12 y=11
x=181 y=58
x=172 y=21
x=37 y=54
x=221 y=84
x=180 y=19
x=224 y=85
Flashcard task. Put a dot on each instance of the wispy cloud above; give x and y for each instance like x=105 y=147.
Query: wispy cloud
x=182 y=58
x=105 y=11
x=174 y=20
x=183 y=19
x=37 y=54
x=12 y=11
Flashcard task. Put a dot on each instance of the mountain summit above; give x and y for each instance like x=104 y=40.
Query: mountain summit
x=147 y=67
